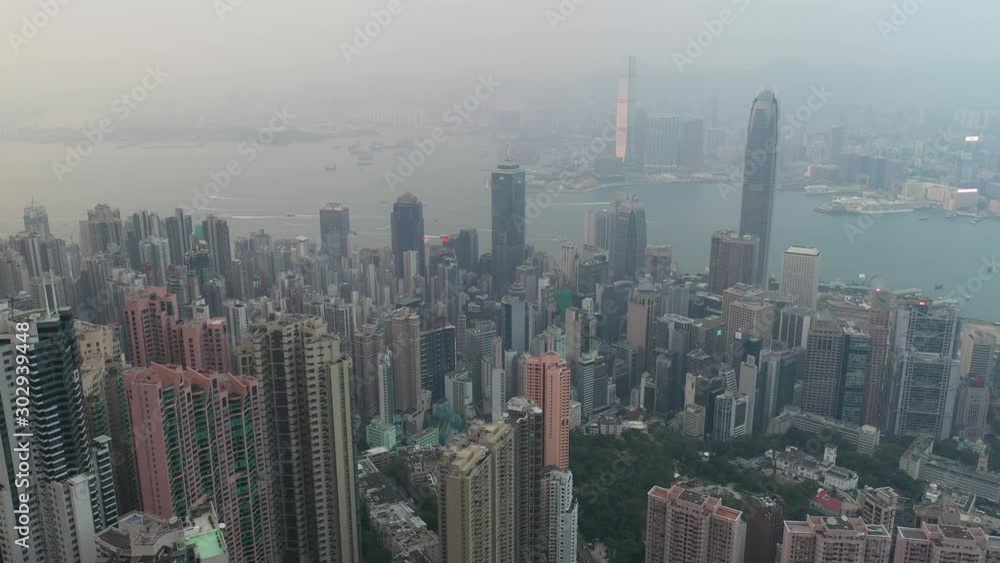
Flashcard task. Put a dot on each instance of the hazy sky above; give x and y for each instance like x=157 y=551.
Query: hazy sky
x=266 y=51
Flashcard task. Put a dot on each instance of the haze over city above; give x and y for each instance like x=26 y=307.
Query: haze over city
x=452 y=281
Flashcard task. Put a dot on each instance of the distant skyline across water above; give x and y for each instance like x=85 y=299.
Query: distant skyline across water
x=283 y=190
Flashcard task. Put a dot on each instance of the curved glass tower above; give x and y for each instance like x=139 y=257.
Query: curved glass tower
x=759 y=173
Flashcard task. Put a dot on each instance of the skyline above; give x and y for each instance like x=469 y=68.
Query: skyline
x=556 y=281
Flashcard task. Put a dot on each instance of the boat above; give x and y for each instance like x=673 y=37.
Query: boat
x=331 y=168
x=924 y=218
x=289 y=215
x=939 y=286
x=973 y=221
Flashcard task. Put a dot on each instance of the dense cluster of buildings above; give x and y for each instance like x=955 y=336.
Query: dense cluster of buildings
x=249 y=399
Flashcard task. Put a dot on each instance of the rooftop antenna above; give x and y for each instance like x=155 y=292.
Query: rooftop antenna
x=508 y=157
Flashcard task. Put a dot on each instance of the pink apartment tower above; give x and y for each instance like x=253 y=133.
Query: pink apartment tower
x=200 y=438
x=547 y=382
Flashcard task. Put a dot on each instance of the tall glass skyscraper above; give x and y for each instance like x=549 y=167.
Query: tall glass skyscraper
x=759 y=174
x=628 y=252
x=407 y=231
x=507 y=186
x=335 y=231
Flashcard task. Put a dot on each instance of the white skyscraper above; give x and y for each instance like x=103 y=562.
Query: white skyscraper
x=800 y=274
x=562 y=517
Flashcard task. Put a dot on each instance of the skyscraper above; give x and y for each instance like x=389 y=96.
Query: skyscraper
x=639 y=327
x=220 y=249
x=732 y=260
x=832 y=540
x=546 y=382
x=800 y=274
x=369 y=344
x=561 y=517
x=476 y=497
x=36 y=220
x=507 y=187
x=437 y=358
x=307 y=395
x=478 y=346
x=404 y=342
x=598 y=229
x=407 y=226
x=628 y=252
x=977 y=354
x=68 y=491
x=684 y=526
x=857 y=363
x=746 y=313
x=157 y=335
x=624 y=135
x=765 y=524
x=335 y=231
x=879 y=506
x=925 y=384
x=102 y=231
x=467 y=248
x=880 y=321
x=516 y=320
x=759 y=177
x=217 y=421
x=526 y=418
x=662 y=142
x=825 y=353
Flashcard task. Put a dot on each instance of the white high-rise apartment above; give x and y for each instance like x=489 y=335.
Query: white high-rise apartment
x=562 y=517
x=800 y=274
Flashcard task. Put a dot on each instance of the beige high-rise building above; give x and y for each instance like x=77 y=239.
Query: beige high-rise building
x=476 y=497
x=308 y=399
x=823 y=383
x=879 y=506
x=641 y=311
x=745 y=313
x=684 y=526
x=498 y=438
x=800 y=274
x=834 y=540
x=972 y=407
x=547 y=382
x=932 y=543
x=404 y=342
x=977 y=354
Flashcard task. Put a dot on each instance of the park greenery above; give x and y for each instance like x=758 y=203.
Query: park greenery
x=613 y=476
